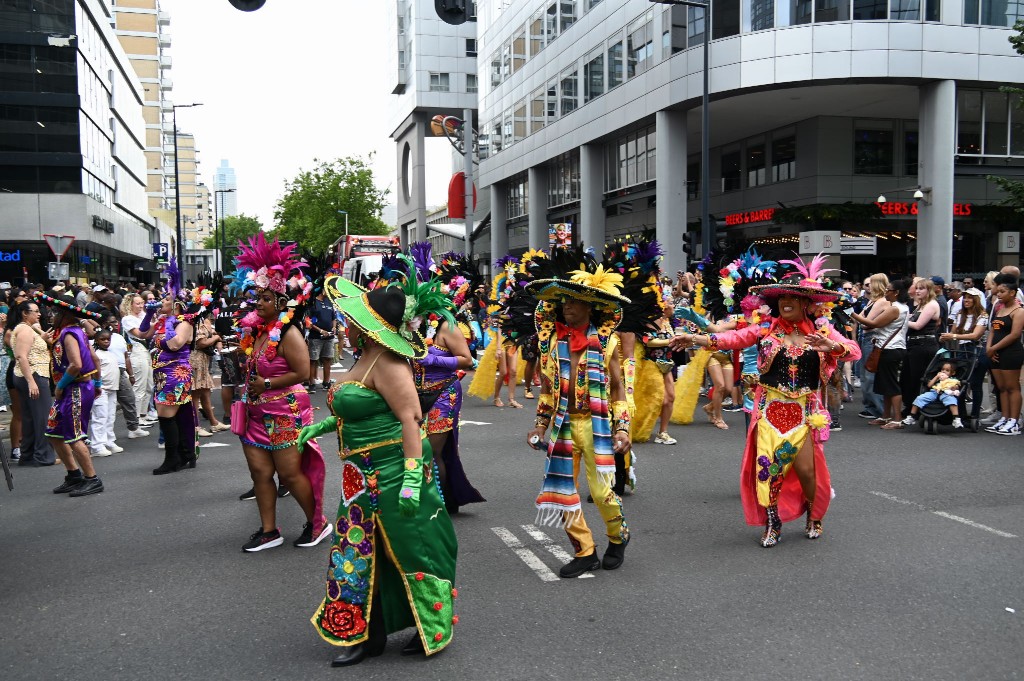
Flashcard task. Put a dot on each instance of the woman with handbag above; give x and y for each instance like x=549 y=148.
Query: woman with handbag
x=886 y=358
x=275 y=406
x=784 y=473
x=393 y=559
x=923 y=329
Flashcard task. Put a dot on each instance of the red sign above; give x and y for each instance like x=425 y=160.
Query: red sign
x=749 y=216
x=457 y=196
x=907 y=208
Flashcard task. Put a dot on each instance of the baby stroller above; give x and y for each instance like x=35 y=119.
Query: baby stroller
x=937 y=413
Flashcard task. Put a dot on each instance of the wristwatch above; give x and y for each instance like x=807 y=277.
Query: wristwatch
x=266 y=384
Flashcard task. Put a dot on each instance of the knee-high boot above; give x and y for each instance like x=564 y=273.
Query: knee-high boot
x=187 y=445
x=172 y=462
x=373 y=646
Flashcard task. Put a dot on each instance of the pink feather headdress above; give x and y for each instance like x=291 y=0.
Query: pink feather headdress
x=805 y=281
x=269 y=265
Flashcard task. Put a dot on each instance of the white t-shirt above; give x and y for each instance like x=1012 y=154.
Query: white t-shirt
x=954 y=312
x=118 y=346
x=110 y=375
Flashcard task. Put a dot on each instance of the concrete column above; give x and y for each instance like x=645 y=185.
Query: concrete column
x=591 y=231
x=670 y=211
x=499 y=221
x=937 y=146
x=419 y=174
x=538 y=229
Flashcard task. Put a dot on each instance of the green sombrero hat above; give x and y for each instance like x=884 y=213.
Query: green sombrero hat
x=379 y=313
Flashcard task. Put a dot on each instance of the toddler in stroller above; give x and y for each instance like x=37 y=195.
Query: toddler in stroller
x=943 y=387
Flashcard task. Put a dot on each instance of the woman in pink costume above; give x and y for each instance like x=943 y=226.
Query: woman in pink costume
x=790 y=424
x=276 y=403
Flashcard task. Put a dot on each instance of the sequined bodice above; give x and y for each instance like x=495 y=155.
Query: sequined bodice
x=794 y=369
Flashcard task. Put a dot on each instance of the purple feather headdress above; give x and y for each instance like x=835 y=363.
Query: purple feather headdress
x=421 y=253
x=173 y=277
x=505 y=261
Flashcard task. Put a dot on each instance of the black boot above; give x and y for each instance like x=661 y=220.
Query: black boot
x=172 y=463
x=414 y=646
x=186 y=437
x=373 y=646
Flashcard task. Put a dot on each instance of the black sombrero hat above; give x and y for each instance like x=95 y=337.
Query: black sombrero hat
x=379 y=313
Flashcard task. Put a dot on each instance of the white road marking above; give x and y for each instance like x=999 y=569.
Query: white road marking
x=527 y=556
x=943 y=514
x=465 y=422
x=553 y=548
x=207 y=445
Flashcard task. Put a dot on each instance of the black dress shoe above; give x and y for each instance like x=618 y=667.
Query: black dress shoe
x=577 y=566
x=614 y=556
x=414 y=646
x=88 y=486
x=352 y=655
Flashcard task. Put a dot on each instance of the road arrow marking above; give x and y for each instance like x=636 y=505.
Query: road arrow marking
x=553 y=548
x=527 y=556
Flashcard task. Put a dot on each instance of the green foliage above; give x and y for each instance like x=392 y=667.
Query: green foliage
x=308 y=211
x=236 y=228
x=847 y=214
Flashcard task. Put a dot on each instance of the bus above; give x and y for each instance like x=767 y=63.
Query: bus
x=360 y=256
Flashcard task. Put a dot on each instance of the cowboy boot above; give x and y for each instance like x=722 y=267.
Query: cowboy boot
x=772 y=528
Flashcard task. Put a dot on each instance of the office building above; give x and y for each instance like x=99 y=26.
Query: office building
x=226 y=186
x=592 y=114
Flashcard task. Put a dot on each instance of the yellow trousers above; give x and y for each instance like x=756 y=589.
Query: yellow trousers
x=608 y=503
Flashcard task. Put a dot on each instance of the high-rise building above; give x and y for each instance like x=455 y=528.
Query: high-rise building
x=72 y=144
x=592 y=112
x=226 y=187
x=433 y=70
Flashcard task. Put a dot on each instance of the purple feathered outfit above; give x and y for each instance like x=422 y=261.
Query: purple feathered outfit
x=430 y=373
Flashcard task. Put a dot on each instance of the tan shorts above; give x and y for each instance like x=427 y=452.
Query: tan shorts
x=722 y=359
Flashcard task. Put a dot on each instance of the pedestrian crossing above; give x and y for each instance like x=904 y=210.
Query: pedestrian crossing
x=527 y=555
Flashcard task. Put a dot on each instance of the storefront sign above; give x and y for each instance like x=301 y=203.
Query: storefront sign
x=867 y=245
x=960 y=210
x=10 y=256
x=1009 y=242
x=827 y=242
x=749 y=216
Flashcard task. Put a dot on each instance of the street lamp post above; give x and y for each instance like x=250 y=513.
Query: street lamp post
x=464 y=138
x=220 y=234
x=707 y=233
x=345 y=213
x=179 y=246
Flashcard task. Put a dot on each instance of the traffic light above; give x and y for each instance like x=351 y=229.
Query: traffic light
x=452 y=12
x=690 y=240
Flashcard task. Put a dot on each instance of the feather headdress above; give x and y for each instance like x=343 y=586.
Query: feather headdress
x=423 y=299
x=270 y=266
x=638 y=260
x=806 y=281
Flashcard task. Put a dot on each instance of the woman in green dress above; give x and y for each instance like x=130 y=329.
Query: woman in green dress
x=392 y=564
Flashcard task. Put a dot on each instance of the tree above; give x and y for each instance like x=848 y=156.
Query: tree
x=235 y=228
x=1014 y=188
x=308 y=211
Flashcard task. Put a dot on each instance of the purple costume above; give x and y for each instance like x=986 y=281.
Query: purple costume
x=276 y=417
x=430 y=373
x=69 y=415
x=172 y=384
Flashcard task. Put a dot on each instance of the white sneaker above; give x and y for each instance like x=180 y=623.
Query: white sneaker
x=115 y=448
x=993 y=418
x=101 y=451
x=909 y=421
x=3 y=407
x=137 y=433
x=997 y=425
x=1009 y=428
x=665 y=439
x=855 y=382
x=203 y=432
x=957 y=423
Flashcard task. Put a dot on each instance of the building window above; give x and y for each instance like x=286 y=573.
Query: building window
x=569 y=91
x=873 y=148
x=470 y=47
x=439 y=82
x=615 y=64
x=536 y=34
x=564 y=179
x=695 y=25
x=673 y=31
x=494 y=137
x=506 y=60
x=519 y=121
x=693 y=179
x=910 y=143
x=631 y=159
x=471 y=84
x=758 y=15
x=870 y=9
x=756 y=165
x=833 y=10
x=506 y=128
x=567 y=14
x=593 y=77
x=640 y=46
x=725 y=18
x=496 y=70
x=518 y=200
x=518 y=51
x=551 y=23
x=783 y=157
x=968 y=126
x=538 y=110
x=731 y=177
x=552 y=101
x=997 y=116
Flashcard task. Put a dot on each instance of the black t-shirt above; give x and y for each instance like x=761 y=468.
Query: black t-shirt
x=321 y=314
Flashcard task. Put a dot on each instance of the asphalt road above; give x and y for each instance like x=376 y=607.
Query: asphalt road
x=915 y=578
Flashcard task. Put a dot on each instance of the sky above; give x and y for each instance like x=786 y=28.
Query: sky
x=295 y=81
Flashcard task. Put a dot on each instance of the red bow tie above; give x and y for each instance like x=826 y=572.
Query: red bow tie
x=578 y=341
x=805 y=326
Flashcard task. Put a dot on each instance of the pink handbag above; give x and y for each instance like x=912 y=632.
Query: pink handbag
x=239 y=418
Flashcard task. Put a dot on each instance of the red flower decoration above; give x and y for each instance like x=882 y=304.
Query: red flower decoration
x=419 y=576
x=344 y=620
x=455 y=593
x=438 y=637
x=455 y=619
x=438 y=605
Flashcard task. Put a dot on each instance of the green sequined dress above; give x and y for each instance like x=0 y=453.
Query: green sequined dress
x=416 y=575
